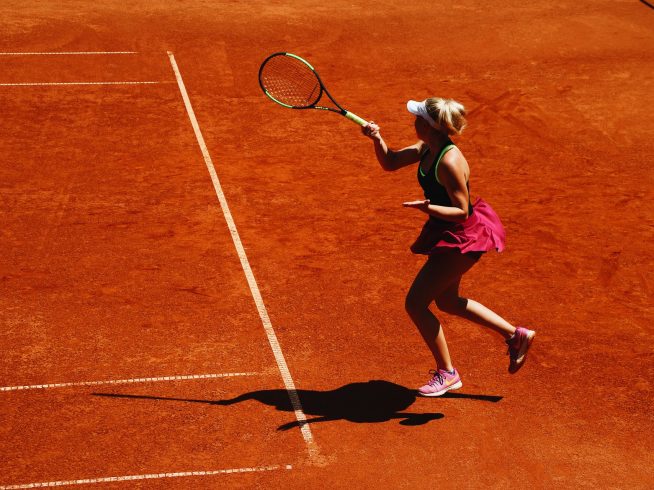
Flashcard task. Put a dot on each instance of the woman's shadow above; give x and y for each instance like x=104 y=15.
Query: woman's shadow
x=366 y=402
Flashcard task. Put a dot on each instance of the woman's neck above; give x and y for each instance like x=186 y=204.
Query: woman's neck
x=437 y=140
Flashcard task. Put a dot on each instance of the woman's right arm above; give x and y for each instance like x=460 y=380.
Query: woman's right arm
x=391 y=160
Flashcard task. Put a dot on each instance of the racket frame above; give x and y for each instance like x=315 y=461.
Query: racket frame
x=343 y=112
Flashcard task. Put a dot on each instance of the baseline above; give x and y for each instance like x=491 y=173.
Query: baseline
x=125 y=381
x=150 y=476
x=48 y=53
x=32 y=84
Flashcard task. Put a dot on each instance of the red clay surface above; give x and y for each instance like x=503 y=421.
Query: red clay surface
x=117 y=261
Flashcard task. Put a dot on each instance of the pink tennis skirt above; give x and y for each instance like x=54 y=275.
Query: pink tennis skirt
x=481 y=232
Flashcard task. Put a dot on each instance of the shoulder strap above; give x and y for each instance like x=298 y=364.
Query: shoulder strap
x=440 y=157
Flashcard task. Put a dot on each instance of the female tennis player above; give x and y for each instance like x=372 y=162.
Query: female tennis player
x=455 y=236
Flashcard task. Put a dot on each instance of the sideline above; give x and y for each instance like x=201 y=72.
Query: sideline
x=245 y=263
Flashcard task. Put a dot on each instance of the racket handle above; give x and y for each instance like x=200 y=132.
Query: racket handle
x=353 y=117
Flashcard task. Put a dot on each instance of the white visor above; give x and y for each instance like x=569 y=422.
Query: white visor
x=420 y=109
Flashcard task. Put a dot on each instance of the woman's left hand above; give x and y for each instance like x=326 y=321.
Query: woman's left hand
x=421 y=205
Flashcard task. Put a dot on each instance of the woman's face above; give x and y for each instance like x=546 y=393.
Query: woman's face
x=422 y=128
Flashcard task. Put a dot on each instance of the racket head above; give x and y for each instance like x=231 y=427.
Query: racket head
x=290 y=81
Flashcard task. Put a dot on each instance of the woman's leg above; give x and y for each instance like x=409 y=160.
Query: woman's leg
x=519 y=340
x=449 y=301
x=439 y=272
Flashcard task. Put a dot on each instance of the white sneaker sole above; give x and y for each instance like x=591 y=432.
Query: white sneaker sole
x=455 y=386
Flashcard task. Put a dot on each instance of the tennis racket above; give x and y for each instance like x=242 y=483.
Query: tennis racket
x=292 y=82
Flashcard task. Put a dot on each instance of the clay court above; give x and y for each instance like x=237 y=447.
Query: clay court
x=202 y=289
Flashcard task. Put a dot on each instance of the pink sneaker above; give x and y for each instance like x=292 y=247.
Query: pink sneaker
x=518 y=347
x=441 y=383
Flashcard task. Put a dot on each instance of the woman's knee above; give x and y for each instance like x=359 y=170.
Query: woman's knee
x=452 y=304
x=415 y=305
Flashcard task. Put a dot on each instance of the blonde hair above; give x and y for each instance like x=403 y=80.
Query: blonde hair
x=448 y=114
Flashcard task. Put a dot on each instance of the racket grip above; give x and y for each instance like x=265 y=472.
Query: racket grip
x=353 y=117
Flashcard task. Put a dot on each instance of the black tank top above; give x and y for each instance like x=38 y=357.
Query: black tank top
x=434 y=191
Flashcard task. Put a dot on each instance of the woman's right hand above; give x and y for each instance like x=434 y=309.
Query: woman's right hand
x=371 y=130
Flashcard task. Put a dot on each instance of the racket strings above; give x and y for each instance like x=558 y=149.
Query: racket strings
x=290 y=81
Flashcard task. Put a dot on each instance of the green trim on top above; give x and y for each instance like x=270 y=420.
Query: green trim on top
x=440 y=157
x=301 y=59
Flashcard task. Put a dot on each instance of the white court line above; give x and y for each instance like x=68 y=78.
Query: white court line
x=124 y=381
x=46 y=53
x=31 y=84
x=245 y=263
x=150 y=476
